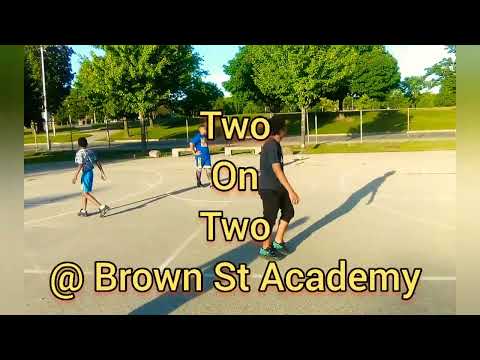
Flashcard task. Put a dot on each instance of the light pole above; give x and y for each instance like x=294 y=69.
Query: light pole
x=44 y=98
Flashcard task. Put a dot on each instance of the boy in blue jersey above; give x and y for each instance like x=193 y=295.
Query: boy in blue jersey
x=85 y=160
x=199 y=147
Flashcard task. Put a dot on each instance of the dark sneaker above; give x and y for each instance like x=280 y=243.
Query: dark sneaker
x=270 y=254
x=199 y=184
x=82 y=213
x=281 y=248
x=103 y=211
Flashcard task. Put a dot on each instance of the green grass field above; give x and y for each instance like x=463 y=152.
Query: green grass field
x=377 y=121
x=170 y=128
x=377 y=146
x=328 y=123
x=63 y=136
x=433 y=119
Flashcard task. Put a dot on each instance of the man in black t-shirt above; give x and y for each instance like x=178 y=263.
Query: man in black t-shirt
x=275 y=191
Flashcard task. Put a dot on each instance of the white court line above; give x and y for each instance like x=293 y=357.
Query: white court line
x=150 y=187
x=180 y=248
x=438 y=278
x=47 y=272
x=197 y=200
x=415 y=218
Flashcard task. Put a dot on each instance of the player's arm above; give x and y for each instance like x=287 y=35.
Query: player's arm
x=77 y=171
x=193 y=149
x=100 y=167
x=277 y=169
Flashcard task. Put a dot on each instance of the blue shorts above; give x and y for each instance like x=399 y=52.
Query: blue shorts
x=87 y=181
x=203 y=161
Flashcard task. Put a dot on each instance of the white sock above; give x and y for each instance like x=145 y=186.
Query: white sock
x=102 y=207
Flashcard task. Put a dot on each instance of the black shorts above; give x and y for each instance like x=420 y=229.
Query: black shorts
x=274 y=200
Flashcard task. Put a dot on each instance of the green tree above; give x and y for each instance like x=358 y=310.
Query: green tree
x=412 y=87
x=241 y=83
x=300 y=74
x=226 y=104
x=58 y=76
x=141 y=77
x=199 y=96
x=88 y=83
x=32 y=98
x=444 y=74
x=396 y=99
x=374 y=74
x=75 y=106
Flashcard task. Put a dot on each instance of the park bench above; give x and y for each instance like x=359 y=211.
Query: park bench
x=176 y=151
x=229 y=149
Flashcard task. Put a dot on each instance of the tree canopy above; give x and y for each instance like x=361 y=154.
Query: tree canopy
x=58 y=78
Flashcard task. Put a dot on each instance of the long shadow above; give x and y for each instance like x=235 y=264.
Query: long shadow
x=46 y=200
x=294 y=161
x=369 y=189
x=144 y=202
x=246 y=253
x=168 y=302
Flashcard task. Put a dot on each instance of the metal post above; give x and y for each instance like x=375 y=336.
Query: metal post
x=308 y=130
x=32 y=125
x=361 y=126
x=71 y=135
x=108 y=132
x=316 y=130
x=408 y=119
x=44 y=99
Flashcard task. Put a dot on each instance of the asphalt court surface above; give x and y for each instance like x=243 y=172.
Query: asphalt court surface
x=349 y=209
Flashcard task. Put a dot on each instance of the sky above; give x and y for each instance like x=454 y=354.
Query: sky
x=412 y=59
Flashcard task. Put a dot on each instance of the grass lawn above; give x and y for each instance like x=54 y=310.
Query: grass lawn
x=376 y=121
x=328 y=123
x=62 y=137
x=378 y=146
x=433 y=119
x=164 y=129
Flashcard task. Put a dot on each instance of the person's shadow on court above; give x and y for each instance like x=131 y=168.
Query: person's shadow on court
x=248 y=252
x=170 y=301
x=352 y=201
x=139 y=204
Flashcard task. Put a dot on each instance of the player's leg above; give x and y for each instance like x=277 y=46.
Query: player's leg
x=198 y=170
x=271 y=205
x=87 y=179
x=287 y=213
x=207 y=165
x=209 y=176
x=83 y=209
x=92 y=198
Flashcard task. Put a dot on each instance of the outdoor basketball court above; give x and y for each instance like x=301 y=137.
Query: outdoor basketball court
x=410 y=222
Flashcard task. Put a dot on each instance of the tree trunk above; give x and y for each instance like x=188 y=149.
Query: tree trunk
x=302 y=127
x=142 y=131
x=125 y=126
x=151 y=121
x=341 y=115
x=94 y=118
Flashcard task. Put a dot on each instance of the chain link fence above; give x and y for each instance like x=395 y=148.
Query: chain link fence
x=175 y=131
